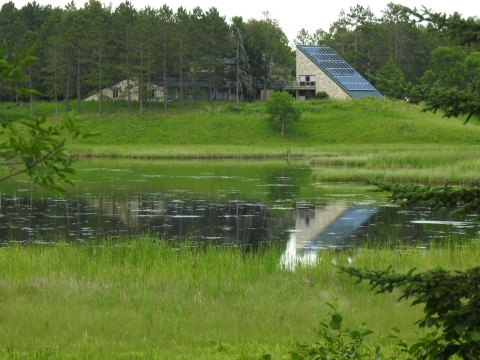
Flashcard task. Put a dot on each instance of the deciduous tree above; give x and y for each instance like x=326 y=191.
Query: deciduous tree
x=280 y=108
x=30 y=146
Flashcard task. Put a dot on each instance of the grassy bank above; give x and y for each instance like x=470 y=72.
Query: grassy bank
x=363 y=121
x=151 y=299
x=344 y=140
x=226 y=125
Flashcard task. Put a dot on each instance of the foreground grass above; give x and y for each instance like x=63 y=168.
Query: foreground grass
x=152 y=299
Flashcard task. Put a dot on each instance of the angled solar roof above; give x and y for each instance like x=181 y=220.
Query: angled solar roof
x=339 y=71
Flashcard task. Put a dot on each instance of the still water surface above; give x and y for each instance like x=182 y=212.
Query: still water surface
x=242 y=203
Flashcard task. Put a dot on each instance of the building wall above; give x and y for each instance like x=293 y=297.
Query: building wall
x=121 y=92
x=322 y=81
x=172 y=94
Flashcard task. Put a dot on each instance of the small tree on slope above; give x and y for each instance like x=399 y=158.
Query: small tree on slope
x=280 y=108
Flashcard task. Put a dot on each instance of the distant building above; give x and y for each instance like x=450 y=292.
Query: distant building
x=198 y=86
x=319 y=68
x=120 y=92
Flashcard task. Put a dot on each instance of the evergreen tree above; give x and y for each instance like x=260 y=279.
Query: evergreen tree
x=12 y=28
x=196 y=53
x=74 y=43
x=451 y=300
x=451 y=101
x=452 y=67
x=33 y=149
x=303 y=38
x=28 y=39
x=142 y=40
x=360 y=20
x=183 y=30
x=123 y=23
x=390 y=71
x=55 y=69
x=50 y=53
x=216 y=44
x=166 y=42
x=100 y=45
x=341 y=34
x=272 y=56
x=242 y=78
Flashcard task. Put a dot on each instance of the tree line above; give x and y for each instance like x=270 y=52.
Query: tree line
x=83 y=50
x=397 y=46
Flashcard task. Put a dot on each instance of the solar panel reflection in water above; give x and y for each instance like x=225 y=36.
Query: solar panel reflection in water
x=327 y=59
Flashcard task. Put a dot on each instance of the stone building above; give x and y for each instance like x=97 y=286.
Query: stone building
x=120 y=92
x=319 y=68
x=155 y=90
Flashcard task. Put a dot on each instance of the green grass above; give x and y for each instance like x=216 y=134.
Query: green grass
x=363 y=121
x=323 y=123
x=344 y=140
x=458 y=164
x=144 y=300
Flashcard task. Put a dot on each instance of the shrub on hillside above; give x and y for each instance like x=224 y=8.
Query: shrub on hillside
x=321 y=95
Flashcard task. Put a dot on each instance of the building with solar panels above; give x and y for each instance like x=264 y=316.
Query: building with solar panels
x=319 y=68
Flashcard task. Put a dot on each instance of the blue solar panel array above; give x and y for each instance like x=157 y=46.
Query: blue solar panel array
x=327 y=59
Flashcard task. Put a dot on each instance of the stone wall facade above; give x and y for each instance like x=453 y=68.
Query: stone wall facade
x=322 y=82
x=119 y=92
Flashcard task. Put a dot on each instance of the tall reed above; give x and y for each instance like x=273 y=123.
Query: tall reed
x=150 y=298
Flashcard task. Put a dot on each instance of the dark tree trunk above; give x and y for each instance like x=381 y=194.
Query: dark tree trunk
x=129 y=95
x=140 y=82
x=30 y=85
x=100 y=102
x=67 y=93
x=181 y=73
x=149 y=93
x=78 y=85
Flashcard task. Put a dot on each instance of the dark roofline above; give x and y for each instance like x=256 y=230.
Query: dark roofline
x=355 y=94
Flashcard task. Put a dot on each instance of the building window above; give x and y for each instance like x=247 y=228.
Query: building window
x=307 y=80
x=115 y=93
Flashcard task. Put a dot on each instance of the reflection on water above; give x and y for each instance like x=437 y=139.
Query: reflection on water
x=318 y=228
x=237 y=203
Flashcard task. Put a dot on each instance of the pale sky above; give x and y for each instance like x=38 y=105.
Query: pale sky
x=292 y=15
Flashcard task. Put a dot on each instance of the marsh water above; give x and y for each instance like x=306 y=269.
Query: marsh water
x=239 y=203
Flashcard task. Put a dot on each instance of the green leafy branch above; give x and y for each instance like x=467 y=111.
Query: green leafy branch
x=461 y=30
x=29 y=145
x=451 y=303
x=466 y=200
x=335 y=342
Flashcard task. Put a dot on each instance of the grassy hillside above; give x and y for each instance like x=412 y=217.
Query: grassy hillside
x=390 y=140
x=364 y=121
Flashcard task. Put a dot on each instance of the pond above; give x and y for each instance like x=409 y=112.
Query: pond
x=239 y=203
